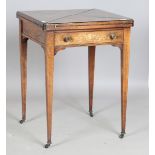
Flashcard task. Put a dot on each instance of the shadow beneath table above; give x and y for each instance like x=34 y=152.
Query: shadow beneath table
x=24 y=131
x=38 y=116
x=73 y=103
x=74 y=136
x=13 y=117
x=137 y=131
x=107 y=107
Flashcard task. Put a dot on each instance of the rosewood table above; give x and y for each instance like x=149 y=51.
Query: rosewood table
x=56 y=30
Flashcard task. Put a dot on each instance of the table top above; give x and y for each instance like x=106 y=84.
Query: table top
x=72 y=17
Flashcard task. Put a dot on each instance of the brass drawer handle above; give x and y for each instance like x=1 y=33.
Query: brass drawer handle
x=112 y=36
x=67 y=39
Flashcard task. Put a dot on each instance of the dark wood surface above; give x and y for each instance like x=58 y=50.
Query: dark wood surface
x=46 y=18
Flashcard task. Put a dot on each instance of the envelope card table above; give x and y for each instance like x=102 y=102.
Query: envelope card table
x=56 y=30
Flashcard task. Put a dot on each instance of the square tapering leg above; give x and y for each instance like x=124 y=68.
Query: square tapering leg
x=91 y=67
x=125 y=54
x=23 y=66
x=49 y=69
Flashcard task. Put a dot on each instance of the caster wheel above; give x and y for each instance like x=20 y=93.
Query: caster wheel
x=21 y=121
x=122 y=135
x=91 y=114
x=47 y=146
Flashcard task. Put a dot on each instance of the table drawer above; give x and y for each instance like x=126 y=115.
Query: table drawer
x=83 y=38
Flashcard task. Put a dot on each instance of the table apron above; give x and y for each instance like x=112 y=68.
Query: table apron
x=89 y=38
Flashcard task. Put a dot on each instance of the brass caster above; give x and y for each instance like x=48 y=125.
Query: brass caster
x=22 y=121
x=91 y=114
x=47 y=145
x=122 y=135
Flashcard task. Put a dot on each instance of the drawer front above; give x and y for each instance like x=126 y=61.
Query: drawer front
x=84 y=38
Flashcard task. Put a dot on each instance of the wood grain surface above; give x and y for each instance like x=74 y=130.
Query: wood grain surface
x=68 y=19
